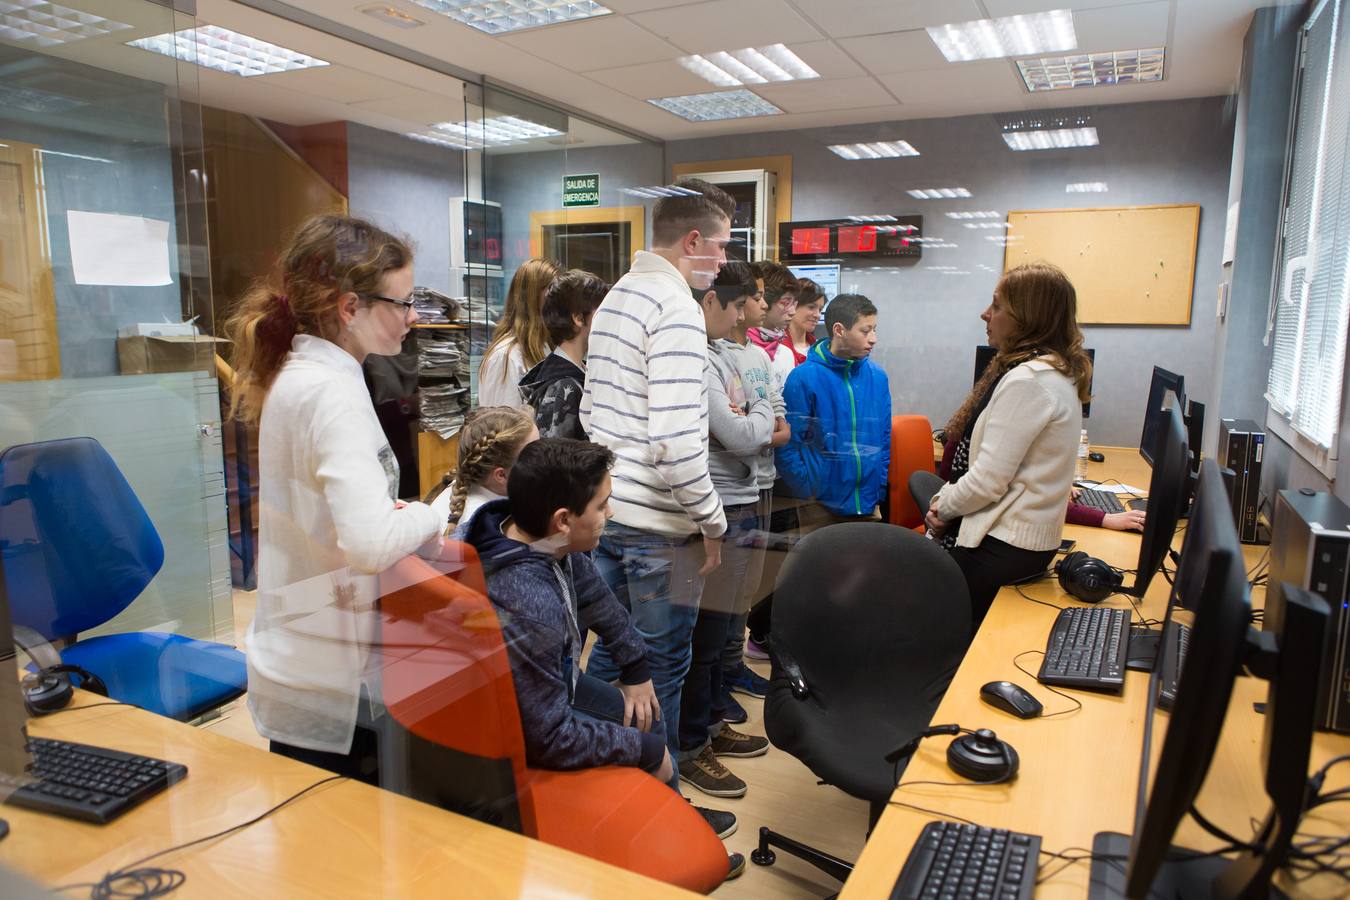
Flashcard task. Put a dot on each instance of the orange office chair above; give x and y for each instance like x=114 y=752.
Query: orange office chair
x=447 y=685
x=911 y=451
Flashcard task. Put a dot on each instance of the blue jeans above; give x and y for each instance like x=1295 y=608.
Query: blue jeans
x=601 y=701
x=656 y=578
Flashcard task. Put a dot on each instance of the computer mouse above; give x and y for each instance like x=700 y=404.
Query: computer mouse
x=1096 y=457
x=1010 y=698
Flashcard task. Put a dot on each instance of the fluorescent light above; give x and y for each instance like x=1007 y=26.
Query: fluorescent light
x=74 y=156
x=501 y=16
x=391 y=16
x=740 y=104
x=871 y=218
x=218 y=48
x=493 y=131
x=1044 y=32
x=658 y=190
x=986 y=225
x=41 y=24
x=1086 y=187
x=1052 y=139
x=439 y=140
x=1092 y=69
x=975 y=214
x=749 y=65
x=938 y=193
x=874 y=150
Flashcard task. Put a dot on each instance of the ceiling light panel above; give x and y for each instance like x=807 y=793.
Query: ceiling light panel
x=1092 y=69
x=874 y=150
x=37 y=23
x=493 y=131
x=1044 y=32
x=975 y=214
x=946 y=193
x=218 y=48
x=749 y=65
x=502 y=16
x=1086 y=187
x=391 y=16
x=713 y=107
x=1051 y=139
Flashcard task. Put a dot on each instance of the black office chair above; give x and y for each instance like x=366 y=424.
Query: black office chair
x=870 y=622
x=922 y=487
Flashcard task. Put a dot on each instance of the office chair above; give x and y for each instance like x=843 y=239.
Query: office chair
x=78 y=549
x=869 y=624
x=447 y=685
x=911 y=451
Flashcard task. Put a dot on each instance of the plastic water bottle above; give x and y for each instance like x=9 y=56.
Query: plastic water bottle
x=1082 y=456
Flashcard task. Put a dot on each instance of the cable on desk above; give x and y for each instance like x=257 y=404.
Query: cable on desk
x=129 y=882
x=1026 y=596
x=1077 y=704
x=1114 y=860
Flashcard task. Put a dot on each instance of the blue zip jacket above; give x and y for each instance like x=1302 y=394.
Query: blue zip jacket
x=840 y=451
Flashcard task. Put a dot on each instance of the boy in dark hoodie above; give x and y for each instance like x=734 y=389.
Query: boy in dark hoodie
x=554 y=386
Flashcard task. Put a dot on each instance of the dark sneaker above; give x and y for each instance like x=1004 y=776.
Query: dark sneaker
x=710 y=776
x=730 y=742
x=735 y=865
x=723 y=823
x=744 y=680
x=732 y=711
x=756 y=650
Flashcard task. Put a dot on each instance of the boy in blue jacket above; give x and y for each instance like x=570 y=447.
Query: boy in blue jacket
x=839 y=408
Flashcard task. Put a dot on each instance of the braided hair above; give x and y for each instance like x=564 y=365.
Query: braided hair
x=492 y=437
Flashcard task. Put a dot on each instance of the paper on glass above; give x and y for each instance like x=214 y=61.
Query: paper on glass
x=108 y=248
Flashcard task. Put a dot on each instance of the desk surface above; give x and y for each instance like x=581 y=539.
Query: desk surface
x=1079 y=771
x=345 y=839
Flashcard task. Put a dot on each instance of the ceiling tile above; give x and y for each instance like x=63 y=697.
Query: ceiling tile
x=603 y=42
x=636 y=6
x=826 y=94
x=827 y=59
x=666 y=78
x=999 y=8
x=901 y=51
x=729 y=25
x=337 y=83
x=1122 y=27
x=994 y=81
x=879 y=16
x=418 y=107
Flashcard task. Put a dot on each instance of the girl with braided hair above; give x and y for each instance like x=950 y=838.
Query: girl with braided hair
x=329 y=518
x=489 y=442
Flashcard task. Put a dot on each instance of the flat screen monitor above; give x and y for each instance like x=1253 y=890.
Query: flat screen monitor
x=984 y=355
x=1163 y=383
x=1167 y=494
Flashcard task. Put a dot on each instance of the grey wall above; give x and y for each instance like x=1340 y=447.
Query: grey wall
x=406 y=186
x=121 y=125
x=532 y=182
x=1167 y=152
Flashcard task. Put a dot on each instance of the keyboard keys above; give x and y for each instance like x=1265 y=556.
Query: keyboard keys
x=964 y=862
x=1087 y=648
x=91 y=783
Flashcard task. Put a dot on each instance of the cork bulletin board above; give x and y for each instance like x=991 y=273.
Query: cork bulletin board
x=1131 y=265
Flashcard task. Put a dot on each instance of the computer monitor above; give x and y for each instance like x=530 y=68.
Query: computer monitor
x=984 y=355
x=1212 y=581
x=1163 y=383
x=1167 y=493
x=15 y=758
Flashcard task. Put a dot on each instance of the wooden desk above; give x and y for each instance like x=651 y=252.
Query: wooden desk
x=345 y=839
x=1079 y=772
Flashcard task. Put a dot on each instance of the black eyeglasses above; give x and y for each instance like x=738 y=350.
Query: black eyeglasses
x=406 y=304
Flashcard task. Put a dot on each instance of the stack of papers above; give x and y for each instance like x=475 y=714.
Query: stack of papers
x=433 y=307
x=443 y=407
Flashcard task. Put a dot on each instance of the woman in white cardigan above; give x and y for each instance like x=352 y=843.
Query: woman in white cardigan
x=329 y=517
x=1010 y=503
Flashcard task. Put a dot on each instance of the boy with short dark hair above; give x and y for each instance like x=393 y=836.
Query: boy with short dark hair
x=554 y=386
x=839 y=408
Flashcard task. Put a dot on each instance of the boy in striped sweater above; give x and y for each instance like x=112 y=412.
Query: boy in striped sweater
x=644 y=399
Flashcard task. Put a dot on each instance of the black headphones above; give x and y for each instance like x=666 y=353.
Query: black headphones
x=1087 y=577
x=50 y=689
x=978 y=755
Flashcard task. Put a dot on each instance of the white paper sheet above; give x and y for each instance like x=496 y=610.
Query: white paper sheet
x=108 y=248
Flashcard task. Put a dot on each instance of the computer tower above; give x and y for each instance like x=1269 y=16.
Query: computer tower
x=1242 y=443
x=1310 y=548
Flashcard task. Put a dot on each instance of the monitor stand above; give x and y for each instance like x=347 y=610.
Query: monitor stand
x=1143 y=649
x=1185 y=875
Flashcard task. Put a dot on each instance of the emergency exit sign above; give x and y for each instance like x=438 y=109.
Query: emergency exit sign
x=581 y=190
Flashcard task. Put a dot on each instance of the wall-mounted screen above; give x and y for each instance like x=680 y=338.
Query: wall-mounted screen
x=890 y=237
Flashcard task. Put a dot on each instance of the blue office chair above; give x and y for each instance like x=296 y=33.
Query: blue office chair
x=78 y=548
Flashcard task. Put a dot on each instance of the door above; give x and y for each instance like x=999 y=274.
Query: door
x=28 y=344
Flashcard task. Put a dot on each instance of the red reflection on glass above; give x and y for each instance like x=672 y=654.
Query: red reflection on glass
x=492 y=248
x=810 y=240
x=858 y=239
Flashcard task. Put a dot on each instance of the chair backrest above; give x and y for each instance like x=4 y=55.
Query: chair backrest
x=911 y=451
x=874 y=615
x=446 y=680
x=78 y=545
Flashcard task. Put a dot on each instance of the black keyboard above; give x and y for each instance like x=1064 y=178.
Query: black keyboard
x=91 y=783
x=1087 y=649
x=954 y=862
x=1106 y=501
x=1176 y=638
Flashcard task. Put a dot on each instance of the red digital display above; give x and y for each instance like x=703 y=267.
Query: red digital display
x=810 y=240
x=857 y=239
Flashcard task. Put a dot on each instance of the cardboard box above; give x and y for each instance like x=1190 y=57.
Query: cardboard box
x=158 y=329
x=142 y=355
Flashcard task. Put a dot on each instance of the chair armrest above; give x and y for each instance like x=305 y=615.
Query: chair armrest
x=783 y=661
